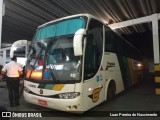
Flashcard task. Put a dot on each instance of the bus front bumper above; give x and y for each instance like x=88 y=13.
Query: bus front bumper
x=69 y=105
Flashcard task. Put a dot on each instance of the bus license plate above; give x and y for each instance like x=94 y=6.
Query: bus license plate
x=42 y=102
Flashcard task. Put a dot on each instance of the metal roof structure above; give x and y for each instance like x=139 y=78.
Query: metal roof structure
x=22 y=17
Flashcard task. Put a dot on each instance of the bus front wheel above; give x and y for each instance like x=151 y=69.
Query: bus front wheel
x=111 y=91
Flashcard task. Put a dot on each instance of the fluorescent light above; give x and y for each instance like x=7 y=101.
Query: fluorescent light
x=116 y=27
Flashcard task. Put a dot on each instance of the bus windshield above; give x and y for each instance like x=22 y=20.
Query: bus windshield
x=54 y=60
x=51 y=56
x=61 y=62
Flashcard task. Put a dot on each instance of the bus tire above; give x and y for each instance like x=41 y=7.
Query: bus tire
x=111 y=91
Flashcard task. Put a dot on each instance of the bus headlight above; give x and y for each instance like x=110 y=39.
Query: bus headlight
x=34 y=74
x=69 y=95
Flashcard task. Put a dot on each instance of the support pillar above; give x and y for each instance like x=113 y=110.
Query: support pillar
x=26 y=51
x=4 y=57
x=1 y=15
x=156 y=52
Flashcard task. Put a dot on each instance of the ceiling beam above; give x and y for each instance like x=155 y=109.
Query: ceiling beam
x=152 y=18
x=133 y=22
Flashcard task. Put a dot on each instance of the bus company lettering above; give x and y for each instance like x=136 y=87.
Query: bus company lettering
x=109 y=65
x=31 y=85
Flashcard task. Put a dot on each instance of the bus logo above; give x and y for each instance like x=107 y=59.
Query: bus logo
x=95 y=94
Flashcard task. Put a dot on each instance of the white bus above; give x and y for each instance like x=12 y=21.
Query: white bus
x=77 y=62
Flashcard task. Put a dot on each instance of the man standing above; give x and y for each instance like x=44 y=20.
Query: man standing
x=13 y=71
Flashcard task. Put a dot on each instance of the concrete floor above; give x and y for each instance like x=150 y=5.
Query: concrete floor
x=140 y=98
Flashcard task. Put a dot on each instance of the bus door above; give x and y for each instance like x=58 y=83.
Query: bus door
x=93 y=74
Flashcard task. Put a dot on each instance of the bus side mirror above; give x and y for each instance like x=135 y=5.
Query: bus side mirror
x=77 y=42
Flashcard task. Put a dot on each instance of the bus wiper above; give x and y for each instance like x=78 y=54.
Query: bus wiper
x=51 y=70
x=52 y=74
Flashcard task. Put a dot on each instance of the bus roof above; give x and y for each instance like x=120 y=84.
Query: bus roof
x=67 y=17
